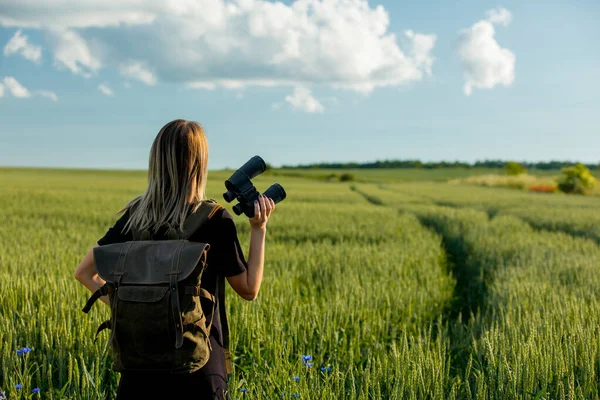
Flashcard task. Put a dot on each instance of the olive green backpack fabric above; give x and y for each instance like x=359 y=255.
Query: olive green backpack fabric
x=154 y=289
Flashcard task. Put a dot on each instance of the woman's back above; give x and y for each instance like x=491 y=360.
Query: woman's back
x=225 y=258
x=176 y=181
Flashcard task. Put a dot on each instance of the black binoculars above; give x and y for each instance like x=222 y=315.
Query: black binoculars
x=239 y=186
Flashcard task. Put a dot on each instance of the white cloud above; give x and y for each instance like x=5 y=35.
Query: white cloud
x=17 y=90
x=105 y=89
x=72 y=51
x=485 y=64
x=19 y=43
x=303 y=100
x=48 y=94
x=232 y=43
x=139 y=71
x=499 y=15
x=77 y=13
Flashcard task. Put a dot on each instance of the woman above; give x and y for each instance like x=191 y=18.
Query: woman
x=176 y=184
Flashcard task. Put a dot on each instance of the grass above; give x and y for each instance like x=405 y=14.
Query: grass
x=397 y=290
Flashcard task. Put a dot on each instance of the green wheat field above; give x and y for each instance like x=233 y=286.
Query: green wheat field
x=397 y=289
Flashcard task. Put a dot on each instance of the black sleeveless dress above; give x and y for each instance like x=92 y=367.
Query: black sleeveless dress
x=225 y=258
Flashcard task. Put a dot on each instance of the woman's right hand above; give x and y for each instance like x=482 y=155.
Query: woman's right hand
x=247 y=284
x=263 y=207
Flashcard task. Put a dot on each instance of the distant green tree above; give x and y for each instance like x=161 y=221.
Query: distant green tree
x=496 y=164
x=576 y=179
x=514 y=168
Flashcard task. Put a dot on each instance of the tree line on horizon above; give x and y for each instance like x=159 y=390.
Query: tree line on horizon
x=497 y=164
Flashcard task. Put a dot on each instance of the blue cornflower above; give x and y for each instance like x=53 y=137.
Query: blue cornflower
x=296 y=395
x=243 y=390
x=309 y=365
x=326 y=369
x=36 y=390
x=297 y=378
x=18 y=386
x=24 y=350
x=306 y=358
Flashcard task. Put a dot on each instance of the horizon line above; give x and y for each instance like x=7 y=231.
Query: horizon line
x=117 y=169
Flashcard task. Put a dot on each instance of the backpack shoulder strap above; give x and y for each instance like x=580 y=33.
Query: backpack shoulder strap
x=205 y=211
x=224 y=326
x=137 y=235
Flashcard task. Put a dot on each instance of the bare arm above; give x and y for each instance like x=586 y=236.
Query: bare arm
x=247 y=284
x=86 y=274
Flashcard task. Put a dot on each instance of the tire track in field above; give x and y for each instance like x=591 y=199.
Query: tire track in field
x=460 y=318
x=474 y=276
x=470 y=290
x=463 y=304
x=370 y=198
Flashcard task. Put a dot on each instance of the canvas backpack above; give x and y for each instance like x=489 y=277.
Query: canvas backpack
x=155 y=296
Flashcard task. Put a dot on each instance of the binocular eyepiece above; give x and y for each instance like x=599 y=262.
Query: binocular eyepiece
x=239 y=186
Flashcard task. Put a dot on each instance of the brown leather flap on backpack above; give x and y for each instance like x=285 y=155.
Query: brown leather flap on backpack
x=149 y=262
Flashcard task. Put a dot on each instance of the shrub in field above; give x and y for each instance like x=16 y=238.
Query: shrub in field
x=514 y=168
x=346 y=177
x=576 y=179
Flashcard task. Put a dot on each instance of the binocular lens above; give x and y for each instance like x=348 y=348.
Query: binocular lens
x=239 y=181
x=237 y=209
x=229 y=196
x=275 y=192
x=254 y=167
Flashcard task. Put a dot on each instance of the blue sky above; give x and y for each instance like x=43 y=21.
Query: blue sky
x=295 y=87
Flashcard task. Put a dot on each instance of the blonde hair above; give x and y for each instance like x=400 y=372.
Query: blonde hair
x=177 y=172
